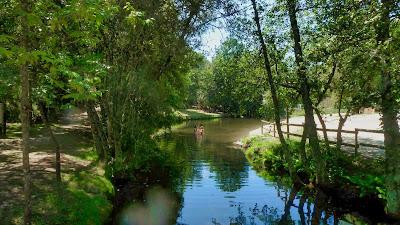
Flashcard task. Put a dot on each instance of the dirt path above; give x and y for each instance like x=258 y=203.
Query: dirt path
x=362 y=121
x=75 y=142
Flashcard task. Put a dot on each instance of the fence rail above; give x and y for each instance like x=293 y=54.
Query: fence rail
x=356 y=131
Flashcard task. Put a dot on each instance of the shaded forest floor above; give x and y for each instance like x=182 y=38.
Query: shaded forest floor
x=77 y=161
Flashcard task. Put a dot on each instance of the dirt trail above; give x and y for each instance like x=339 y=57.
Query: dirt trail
x=362 y=121
x=75 y=140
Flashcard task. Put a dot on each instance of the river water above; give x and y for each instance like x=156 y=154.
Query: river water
x=219 y=186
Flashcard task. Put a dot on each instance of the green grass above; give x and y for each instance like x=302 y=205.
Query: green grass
x=88 y=153
x=85 y=193
x=82 y=200
x=14 y=130
x=194 y=114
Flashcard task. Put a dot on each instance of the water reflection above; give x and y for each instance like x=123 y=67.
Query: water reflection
x=216 y=184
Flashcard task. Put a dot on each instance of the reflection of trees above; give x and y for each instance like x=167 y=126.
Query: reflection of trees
x=312 y=208
x=229 y=165
x=286 y=217
x=230 y=169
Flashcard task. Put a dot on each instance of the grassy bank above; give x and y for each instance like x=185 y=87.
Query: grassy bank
x=363 y=177
x=195 y=114
x=82 y=198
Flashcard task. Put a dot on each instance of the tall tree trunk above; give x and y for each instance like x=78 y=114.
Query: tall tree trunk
x=25 y=112
x=3 y=124
x=107 y=123
x=272 y=86
x=25 y=123
x=302 y=146
x=305 y=93
x=53 y=139
x=287 y=121
x=99 y=138
x=389 y=114
x=342 y=121
x=322 y=122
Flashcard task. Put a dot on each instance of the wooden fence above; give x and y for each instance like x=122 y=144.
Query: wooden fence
x=356 y=131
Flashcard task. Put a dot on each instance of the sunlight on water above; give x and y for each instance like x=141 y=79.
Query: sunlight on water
x=218 y=186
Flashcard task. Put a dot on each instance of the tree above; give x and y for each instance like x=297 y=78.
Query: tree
x=305 y=93
x=389 y=108
x=25 y=110
x=272 y=87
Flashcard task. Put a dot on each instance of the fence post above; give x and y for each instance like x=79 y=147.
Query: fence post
x=274 y=129
x=262 y=128
x=356 y=141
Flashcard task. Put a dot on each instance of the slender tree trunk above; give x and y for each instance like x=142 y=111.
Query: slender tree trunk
x=389 y=114
x=322 y=122
x=302 y=147
x=106 y=112
x=305 y=92
x=287 y=121
x=342 y=121
x=3 y=124
x=97 y=130
x=272 y=86
x=25 y=123
x=303 y=144
x=25 y=112
x=54 y=140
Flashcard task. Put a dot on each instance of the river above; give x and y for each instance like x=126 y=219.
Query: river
x=219 y=186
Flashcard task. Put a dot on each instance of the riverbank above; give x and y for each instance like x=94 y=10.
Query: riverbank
x=196 y=114
x=83 y=197
x=354 y=182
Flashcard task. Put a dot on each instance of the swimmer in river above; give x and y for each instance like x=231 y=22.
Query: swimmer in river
x=198 y=130
x=201 y=129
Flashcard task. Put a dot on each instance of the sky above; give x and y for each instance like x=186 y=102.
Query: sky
x=211 y=40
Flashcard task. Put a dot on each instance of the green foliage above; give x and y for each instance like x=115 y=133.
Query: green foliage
x=231 y=84
x=368 y=184
x=264 y=153
x=343 y=169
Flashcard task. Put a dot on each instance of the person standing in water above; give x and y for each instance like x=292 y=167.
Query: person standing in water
x=201 y=129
